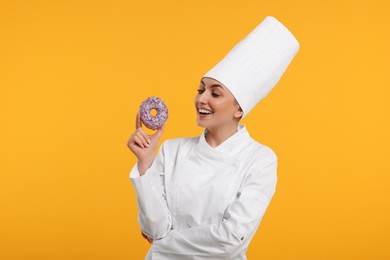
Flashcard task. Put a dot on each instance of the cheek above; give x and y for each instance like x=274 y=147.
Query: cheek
x=228 y=108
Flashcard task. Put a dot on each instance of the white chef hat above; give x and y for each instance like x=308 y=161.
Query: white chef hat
x=253 y=67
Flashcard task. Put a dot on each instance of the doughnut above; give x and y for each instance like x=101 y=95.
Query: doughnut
x=150 y=121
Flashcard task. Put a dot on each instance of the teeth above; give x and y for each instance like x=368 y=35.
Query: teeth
x=204 y=111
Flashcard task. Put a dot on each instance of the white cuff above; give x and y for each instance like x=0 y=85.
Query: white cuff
x=134 y=173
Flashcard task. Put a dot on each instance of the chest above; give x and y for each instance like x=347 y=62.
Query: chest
x=199 y=188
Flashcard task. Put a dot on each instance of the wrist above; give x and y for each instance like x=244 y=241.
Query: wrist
x=143 y=166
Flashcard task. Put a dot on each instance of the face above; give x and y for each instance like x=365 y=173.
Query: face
x=215 y=105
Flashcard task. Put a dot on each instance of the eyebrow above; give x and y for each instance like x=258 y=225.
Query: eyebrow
x=214 y=85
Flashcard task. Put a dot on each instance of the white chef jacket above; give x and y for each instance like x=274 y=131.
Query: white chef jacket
x=200 y=202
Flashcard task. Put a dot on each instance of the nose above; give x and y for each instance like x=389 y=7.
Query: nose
x=202 y=98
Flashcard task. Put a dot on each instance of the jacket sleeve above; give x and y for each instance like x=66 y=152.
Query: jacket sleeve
x=154 y=216
x=224 y=240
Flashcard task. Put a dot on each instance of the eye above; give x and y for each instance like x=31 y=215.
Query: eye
x=215 y=94
x=200 y=91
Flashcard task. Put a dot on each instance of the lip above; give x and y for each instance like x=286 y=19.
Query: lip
x=205 y=108
x=202 y=115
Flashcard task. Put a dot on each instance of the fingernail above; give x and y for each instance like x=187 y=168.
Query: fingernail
x=147 y=145
x=149 y=141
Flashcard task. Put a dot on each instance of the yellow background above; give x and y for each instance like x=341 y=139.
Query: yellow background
x=73 y=73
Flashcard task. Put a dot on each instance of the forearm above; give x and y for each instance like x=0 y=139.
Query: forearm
x=153 y=214
x=218 y=241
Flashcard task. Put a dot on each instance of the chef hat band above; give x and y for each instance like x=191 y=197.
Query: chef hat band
x=254 y=66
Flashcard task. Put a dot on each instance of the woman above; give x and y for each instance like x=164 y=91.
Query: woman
x=204 y=197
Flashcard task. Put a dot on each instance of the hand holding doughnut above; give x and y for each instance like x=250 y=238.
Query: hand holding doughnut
x=144 y=146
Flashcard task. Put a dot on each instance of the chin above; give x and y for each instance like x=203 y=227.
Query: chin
x=201 y=123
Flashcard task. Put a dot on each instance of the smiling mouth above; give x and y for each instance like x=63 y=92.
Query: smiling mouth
x=203 y=115
x=204 y=111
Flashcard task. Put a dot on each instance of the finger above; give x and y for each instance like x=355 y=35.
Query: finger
x=138 y=141
x=142 y=138
x=145 y=135
x=138 y=123
x=147 y=238
x=159 y=131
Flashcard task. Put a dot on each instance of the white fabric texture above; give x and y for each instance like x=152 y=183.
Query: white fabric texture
x=199 y=202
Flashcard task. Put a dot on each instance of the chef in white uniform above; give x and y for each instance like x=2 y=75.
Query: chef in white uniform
x=204 y=197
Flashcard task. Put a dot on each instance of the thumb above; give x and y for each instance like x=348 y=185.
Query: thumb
x=159 y=132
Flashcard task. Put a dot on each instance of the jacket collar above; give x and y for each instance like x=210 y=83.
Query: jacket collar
x=231 y=146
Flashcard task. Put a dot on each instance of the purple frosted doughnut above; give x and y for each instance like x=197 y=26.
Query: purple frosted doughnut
x=150 y=121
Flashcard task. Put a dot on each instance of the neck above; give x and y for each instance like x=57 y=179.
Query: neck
x=215 y=137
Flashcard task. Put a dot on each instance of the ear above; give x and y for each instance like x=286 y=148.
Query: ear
x=238 y=113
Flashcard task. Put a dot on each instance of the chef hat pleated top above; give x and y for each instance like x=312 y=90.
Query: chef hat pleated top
x=255 y=65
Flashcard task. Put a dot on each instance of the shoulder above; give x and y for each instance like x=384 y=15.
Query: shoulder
x=261 y=152
x=263 y=165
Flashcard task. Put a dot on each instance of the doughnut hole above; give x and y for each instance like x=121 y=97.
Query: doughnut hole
x=153 y=112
